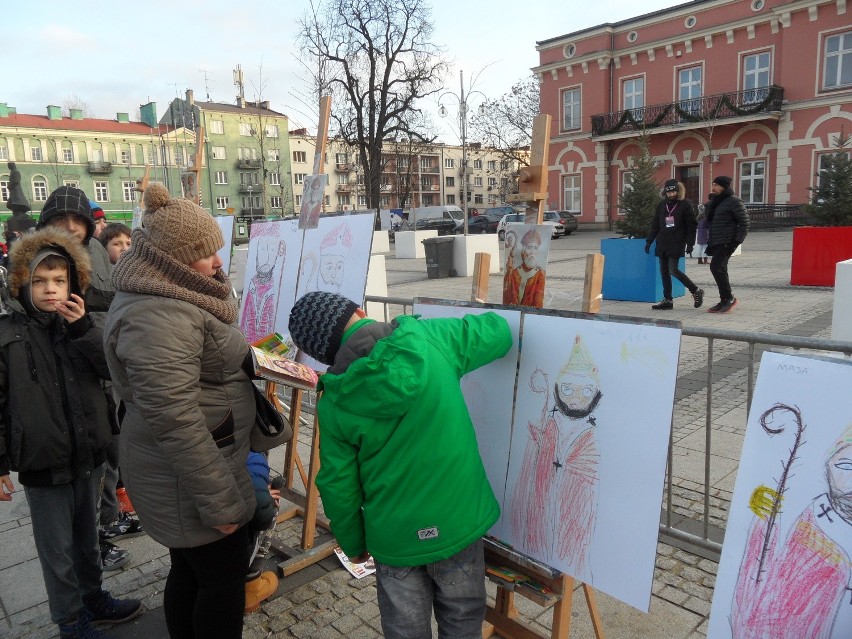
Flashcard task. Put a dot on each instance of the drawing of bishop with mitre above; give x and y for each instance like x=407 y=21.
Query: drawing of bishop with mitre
x=554 y=507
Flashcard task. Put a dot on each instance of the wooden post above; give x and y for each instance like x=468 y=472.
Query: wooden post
x=533 y=178
x=593 y=283
x=481 y=267
x=310 y=210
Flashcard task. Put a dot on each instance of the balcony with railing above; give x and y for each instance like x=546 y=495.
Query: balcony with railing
x=759 y=103
x=249 y=188
x=430 y=169
x=249 y=163
x=100 y=168
x=253 y=213
x=342 y=167
x=344 y=188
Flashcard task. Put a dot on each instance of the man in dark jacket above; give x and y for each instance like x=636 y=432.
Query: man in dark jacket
x=673 y=226
x=728 y=222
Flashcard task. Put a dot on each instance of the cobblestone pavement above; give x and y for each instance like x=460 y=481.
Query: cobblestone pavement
x=323 y=601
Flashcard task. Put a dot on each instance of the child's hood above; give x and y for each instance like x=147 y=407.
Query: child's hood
x=24 y=251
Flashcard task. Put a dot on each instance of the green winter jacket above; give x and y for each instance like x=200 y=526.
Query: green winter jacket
x=400 y=471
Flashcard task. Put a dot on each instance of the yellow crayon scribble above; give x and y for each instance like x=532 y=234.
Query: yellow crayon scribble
x=652 y=359
x=762 y=499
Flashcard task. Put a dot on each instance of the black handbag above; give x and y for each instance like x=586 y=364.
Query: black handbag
x=270 y=428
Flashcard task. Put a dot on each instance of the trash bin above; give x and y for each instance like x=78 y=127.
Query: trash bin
x=439 y=256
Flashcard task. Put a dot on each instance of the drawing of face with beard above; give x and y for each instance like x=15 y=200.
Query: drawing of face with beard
x=577 y=389
x=334 y=250
x=529 y=249
x=264 y=261
x=838 y=471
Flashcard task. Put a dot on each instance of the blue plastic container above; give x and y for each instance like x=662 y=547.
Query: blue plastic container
x=632 y=276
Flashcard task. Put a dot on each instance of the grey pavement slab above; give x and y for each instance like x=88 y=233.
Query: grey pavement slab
x=326 y=602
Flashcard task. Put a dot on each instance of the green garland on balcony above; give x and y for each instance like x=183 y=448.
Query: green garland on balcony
x=687 y=116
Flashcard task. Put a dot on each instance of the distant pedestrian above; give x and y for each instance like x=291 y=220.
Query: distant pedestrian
x=702 y=235
x=673 y=227
x=728 y=223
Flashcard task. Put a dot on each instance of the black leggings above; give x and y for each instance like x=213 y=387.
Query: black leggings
x=205 y=591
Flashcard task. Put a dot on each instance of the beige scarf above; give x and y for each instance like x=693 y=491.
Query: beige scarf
x=147 y=269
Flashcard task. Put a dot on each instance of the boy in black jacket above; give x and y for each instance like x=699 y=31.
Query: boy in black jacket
x=54 y=427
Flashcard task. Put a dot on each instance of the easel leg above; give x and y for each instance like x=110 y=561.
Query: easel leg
x=311 y=492
x=561 y=628
x=593 y=611
x=292 y=445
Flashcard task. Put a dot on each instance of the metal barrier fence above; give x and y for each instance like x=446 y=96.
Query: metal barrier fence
x=693 y=526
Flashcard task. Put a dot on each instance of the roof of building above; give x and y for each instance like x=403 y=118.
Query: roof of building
x=27 y=121
x=621 y=23
x=233 y=108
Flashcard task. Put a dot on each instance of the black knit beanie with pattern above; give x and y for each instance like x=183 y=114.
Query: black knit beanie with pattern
x=317 y=323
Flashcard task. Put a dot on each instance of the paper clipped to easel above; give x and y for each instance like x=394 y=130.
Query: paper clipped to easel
x=356 y=570
x=278 y=368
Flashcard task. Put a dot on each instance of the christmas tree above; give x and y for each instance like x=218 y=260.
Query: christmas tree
x=639 y=199
x=831 y=199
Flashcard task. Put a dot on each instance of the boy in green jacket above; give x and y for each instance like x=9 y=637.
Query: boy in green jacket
x=400 y=473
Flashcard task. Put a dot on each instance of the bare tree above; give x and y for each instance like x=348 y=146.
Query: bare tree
x=375 y=59
x=506 y=123
x=74 y=101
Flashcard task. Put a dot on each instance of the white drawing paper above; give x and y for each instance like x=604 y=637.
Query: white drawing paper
x=785 y=569
x=226 y=225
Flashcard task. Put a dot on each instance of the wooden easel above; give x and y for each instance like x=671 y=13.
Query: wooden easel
x=502 y=618
x=306 y=504
x=533 y=178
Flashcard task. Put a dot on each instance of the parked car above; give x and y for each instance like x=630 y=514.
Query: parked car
x=558 y=229
x=485 y=222
x=565 y=217
x=442 y=225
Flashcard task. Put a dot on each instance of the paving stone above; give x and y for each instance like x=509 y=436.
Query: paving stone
x=698 y=606
x=367 y=611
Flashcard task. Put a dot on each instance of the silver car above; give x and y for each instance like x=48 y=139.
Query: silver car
x=558 y=229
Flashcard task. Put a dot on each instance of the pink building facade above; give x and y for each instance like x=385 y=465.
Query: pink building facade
x=754 y=89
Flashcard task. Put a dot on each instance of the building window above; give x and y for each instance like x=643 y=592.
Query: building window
x=402 y=163
x=752 y=181
x=39 y=189
x=362 y=201
x=492 y=199
x=504 y=165
x=477 y=181
x=425 y=163
x=300 y=156
x=428 y=200
x=492 y=165
x=73 y=183
x=4 y=190
x=571 y=193
x=569 y=50
x=273 y=155
x=275 y=178
x=4 y=152
x=67 y=155
x=571 y=109
x=633 y=91
x=125 y=157
x=449 y=181
x=689 y=89
x=341 y=158
x=35 y=153
x=179 y=157
x=272 y=130
x=219 y=153
x=632 y=36
x=449 y=163
x=102 y=191
x=244 y=153
x=217 y=126
x=690 y=22
x=299 y=178
x=248 y=177
x=221 y=177
x=451 y=199
x=152 y=157
x=128 y=190
x=626 y=182
x=492 y=182
x=344 y=200
x=477 y=164
x=756 y=76
x=838 y=60
x=275 y=202
x=222 y=202
x=327 y=200
x=822 y=163
x=477 y=198
x=384 y=201
x=246 y=130
x=343 y=178
x=298 y=200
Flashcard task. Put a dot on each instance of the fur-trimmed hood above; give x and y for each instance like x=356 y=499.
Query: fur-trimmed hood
x=681 y=191
x=24 y=251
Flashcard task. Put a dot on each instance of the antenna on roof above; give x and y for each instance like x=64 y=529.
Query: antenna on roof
x=240 y=84
x=206 y=83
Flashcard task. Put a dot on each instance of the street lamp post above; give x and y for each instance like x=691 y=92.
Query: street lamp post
x=463 y=110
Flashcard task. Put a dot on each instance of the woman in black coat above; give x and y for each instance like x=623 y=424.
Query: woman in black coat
x=673 y=227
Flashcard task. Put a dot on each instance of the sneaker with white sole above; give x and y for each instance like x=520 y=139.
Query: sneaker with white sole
x=113 y=557
x=124 y=527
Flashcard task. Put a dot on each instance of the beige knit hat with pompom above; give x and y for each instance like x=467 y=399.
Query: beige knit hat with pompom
x=178 y=226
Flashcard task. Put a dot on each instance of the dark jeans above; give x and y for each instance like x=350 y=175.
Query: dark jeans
x=205 y=591
x=455 y=587
x=668 y=268
x=66 y=538
x=719 y=269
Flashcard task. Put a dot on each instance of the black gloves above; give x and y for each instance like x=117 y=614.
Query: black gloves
x=732 y=246
x=689 y=250
x=648 y=249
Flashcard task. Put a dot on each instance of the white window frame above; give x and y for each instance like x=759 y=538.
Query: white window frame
x=39 y=189
x=451 y=198
x=450 y=180
x=74 y=183
x=67 y=155
x=35 y=154
x=125 y=157
x=245 y=129
x=300 y=157
x=820 y=163
x=273 y=155
x=477 y=198
x=299 y=178
x=571 y=108
x=221 y=177
x=572 y=192
x=297 y=199
x=689 y=82
x=4 y=190
x=492 y=165
x=341 y=158
x=477 y=164
x=749 y=178
x=449 y=163
x=217 y=127
x=275 y=202
x=4 y=151
x=101 y=190
x=492 y=182
x=477 y=180
x=271 y=130
x=344 y=200
x=274 y=178
x=633 y=96
x=362 y=201
x=843 y=57
x=756 y=81
x=343 y=178
x=425 y=163
x=128 y=190
x=222 y=202
x=219 y=152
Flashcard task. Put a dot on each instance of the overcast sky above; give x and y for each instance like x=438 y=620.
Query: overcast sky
x=116 y=55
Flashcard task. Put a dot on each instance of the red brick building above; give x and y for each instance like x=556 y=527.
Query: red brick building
x=753 y=89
